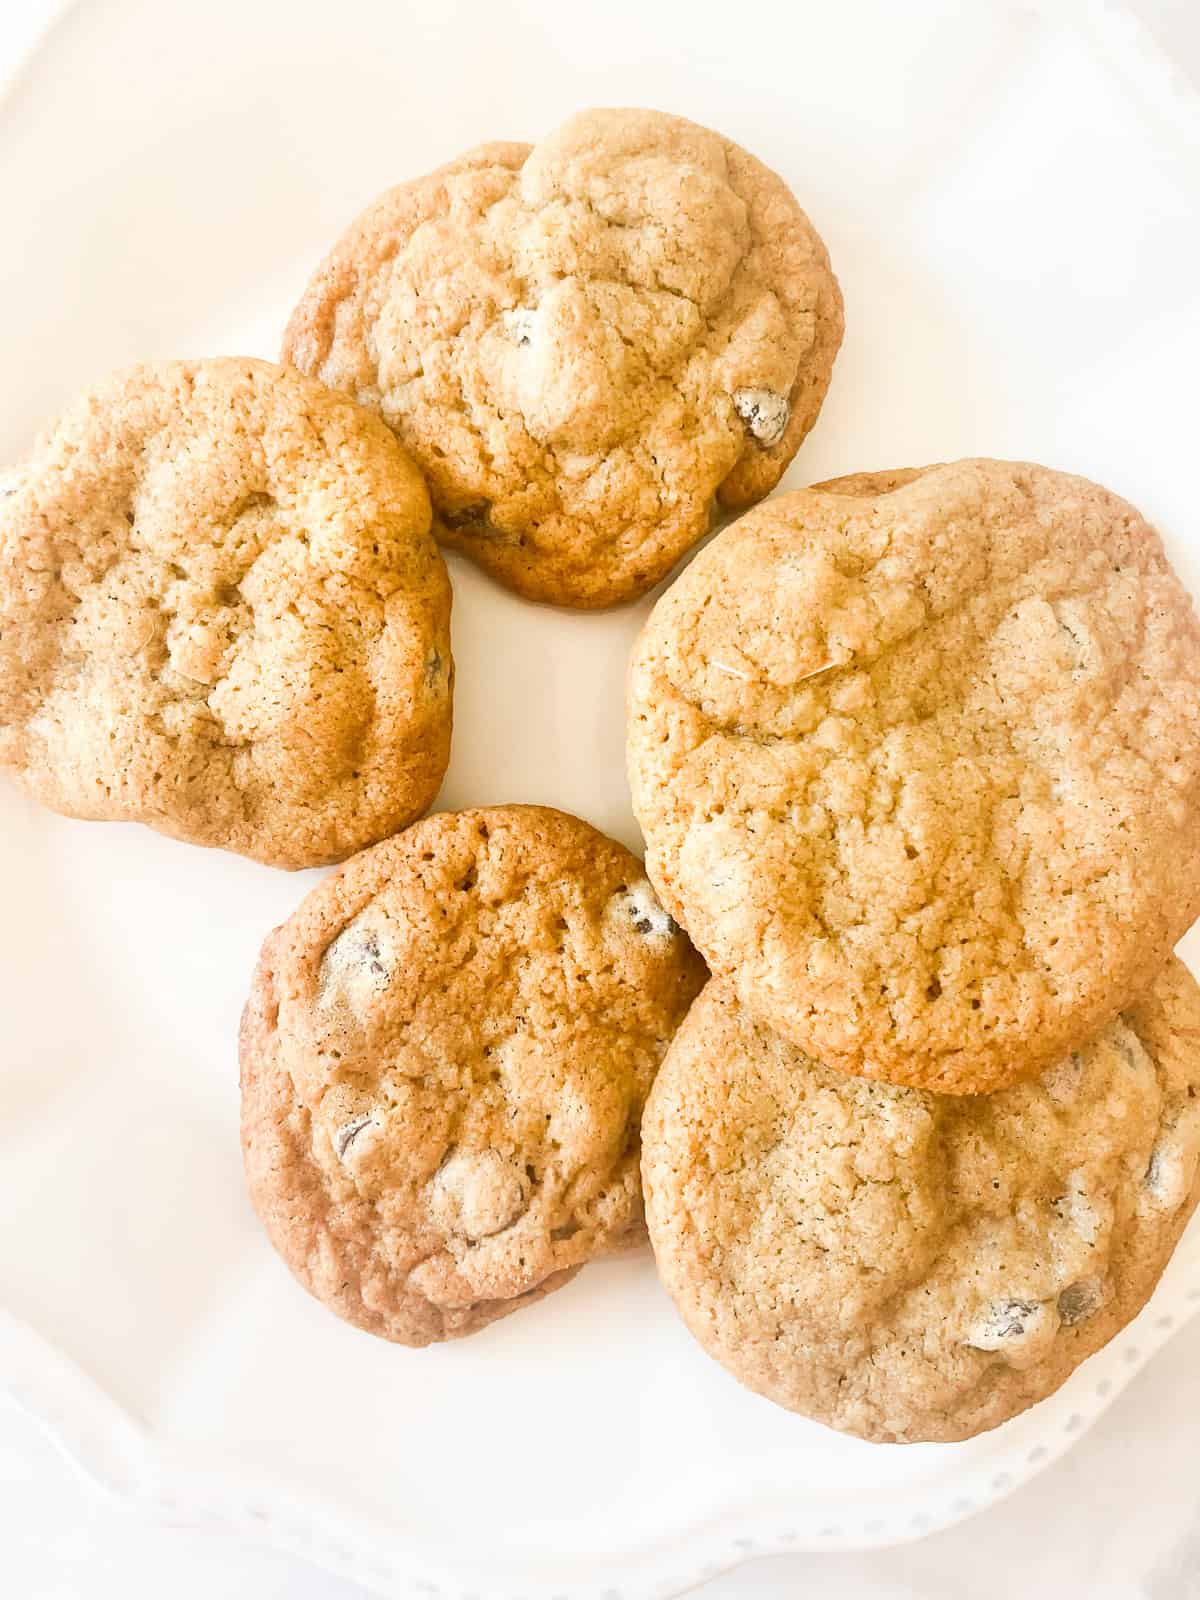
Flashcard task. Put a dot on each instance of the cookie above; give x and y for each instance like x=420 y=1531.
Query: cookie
x=904 y=1265
x=582 y=342
x=917 y=759
x=445 y=1056
x=222 y=614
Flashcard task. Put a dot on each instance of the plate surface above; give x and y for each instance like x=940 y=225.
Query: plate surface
x=1010 y=202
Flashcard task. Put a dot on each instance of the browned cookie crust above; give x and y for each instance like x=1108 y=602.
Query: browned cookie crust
x=903 y=1265
x=582 y=342
x=918 y=764
x=222 y=613
x=445 y=1056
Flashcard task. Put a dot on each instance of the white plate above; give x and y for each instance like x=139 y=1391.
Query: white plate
x=1010 y=203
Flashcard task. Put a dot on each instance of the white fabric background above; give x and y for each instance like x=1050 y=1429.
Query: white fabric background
x=1119 y=1517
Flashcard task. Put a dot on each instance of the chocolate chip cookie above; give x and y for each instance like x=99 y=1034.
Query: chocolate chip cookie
x=904 y=1265
x=445 y=1056
x=222 y=613
x=582 y=342
x=917 y=758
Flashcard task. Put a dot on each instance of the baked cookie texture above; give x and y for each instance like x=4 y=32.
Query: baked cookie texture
x=582 y=342
x=222 y=614
x=909 y=1266
x=917 y=758
x=445 y=1056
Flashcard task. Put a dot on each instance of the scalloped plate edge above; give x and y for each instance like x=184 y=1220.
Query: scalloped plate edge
x=118 y=1458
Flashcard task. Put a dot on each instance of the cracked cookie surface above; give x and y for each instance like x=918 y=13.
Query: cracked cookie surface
x=582 y=342
x=917 y=759
x=904 y=1265
x=222 y=613
x=445 y=1056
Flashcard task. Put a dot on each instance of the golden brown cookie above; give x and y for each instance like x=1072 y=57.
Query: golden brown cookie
x=903 y=1265
x=222 y=613
x=582 y=342
x=920 y=767
x=445 y=1056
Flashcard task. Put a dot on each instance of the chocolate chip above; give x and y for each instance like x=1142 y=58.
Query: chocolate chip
x=257 y=500
x=471 y=516
x=1078 y=1301
x=647 y=915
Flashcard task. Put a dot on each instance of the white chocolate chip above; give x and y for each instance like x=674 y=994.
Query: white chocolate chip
x=1077 y=1210
x=345 y=1136
x=1168 y=1176
x=1131 y=1047
x=354 y=968
x=1020 y=1330
x=479 y=1193
x=519 y=324
x=1171 y=1169
x=764 y=412
x=1062 y=1081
